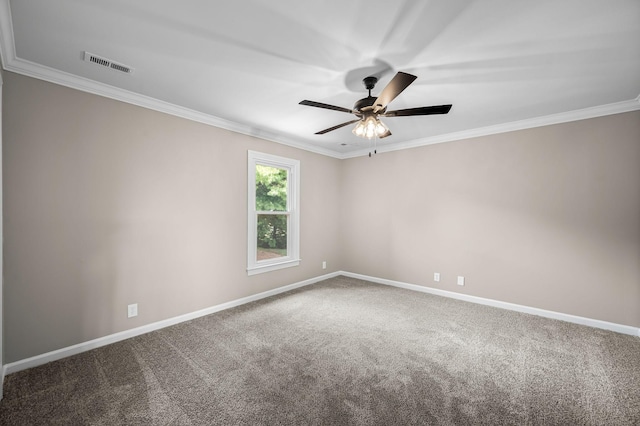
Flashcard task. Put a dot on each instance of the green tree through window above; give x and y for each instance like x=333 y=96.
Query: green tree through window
x=271 y=203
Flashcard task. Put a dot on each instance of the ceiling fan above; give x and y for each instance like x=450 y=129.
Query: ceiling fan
x=369 y=109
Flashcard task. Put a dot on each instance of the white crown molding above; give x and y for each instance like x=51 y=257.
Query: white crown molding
x=563 y=117
x=40 y=72
x=7 y=47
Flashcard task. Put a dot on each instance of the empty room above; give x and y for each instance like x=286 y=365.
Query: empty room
x=323 y=213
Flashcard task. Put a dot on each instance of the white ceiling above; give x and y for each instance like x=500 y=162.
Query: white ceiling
x=245 y=64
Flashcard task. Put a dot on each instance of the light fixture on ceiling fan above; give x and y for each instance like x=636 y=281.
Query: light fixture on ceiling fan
x=369 y=109
x=370 y=127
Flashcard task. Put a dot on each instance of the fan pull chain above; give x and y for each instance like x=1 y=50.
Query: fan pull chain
x=375 y=146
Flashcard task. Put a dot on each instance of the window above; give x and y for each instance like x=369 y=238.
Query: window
x=274 y=225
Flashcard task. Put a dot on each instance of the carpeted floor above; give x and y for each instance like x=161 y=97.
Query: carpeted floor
x=343 y=352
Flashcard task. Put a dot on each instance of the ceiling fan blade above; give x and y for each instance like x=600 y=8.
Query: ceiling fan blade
x=326 y=106
x=397 y=84
x=436 y=109
x=330 y=129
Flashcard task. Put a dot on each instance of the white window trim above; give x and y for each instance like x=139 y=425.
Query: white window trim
x=293 y=200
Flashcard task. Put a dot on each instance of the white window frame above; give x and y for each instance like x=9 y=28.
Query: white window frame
x=293 y=210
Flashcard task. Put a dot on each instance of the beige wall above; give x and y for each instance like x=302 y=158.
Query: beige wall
x=1 y=254
x=108 y=204
x=547 y=217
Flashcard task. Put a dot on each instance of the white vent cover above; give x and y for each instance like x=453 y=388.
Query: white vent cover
x=107 y=63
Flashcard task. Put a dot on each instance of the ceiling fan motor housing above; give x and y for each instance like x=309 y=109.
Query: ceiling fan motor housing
x=364 y=103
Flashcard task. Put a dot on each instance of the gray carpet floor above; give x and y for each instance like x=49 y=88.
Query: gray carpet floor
x=343 y=352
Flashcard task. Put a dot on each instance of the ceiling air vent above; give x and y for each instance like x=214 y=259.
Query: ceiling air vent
x=107 y=63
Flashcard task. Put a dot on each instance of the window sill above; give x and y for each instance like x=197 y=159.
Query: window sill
x=259 y=269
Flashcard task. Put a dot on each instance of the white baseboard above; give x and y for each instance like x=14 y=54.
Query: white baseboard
x=3 y=371
x=619 y=328
x=113 y=338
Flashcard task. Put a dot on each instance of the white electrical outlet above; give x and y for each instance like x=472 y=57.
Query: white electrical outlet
x=460 y=280
x=324 y=264
x=132 y=310
x=436 y=277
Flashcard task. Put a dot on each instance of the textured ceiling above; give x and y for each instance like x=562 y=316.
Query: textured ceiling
x=245 y=64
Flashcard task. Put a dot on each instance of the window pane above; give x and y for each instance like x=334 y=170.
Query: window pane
x=271 y=188
x=272 y=236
